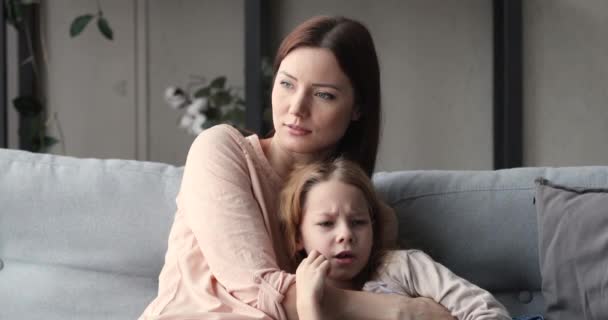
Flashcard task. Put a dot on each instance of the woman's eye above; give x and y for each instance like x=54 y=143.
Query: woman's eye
x=325 y=95
x=286 y=84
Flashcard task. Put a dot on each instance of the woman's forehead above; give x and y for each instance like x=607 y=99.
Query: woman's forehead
x=314 y=65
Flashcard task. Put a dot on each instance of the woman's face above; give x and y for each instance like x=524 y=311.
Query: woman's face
x=312 y=101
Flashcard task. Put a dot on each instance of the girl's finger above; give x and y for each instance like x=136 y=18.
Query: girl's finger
x=313 y=255
x=324 y=267
x=318 y=260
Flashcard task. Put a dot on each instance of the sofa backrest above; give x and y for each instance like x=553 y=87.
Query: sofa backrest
x=81 y=238
x=86 y=238
x=481 y=224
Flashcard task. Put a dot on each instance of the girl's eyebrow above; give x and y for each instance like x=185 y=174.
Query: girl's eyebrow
x=327 y=85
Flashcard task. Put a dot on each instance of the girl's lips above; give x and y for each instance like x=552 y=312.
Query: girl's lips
x=345 y=257
x=344 y=261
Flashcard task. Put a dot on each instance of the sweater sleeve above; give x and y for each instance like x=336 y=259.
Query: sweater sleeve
x=219 y=205
x=420 y=276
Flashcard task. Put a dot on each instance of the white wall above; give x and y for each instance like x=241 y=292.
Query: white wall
x=436 y=63
x=436 y=67
x=189 y=37
x=91 y=81
x=566 y=82
x=109 y=94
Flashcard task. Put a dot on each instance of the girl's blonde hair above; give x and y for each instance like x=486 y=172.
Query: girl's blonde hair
x=293 y=198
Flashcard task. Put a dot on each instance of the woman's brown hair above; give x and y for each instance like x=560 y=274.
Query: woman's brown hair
x=293 y=200
x=352 y=45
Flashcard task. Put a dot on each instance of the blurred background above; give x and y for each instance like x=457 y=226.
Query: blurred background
x=105 y=80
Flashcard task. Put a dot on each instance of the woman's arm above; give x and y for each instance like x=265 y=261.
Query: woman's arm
x=359 y=305
x=219 y=203
x=420 y=275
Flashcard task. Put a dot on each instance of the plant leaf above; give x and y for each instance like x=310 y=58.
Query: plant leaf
x=203 y=92
x=218 y=82
x=79 y=24
x=222 y=98
x=27 y=106
x=209 y=123
x=44 y=144
x=104 y=28
x=13 y=13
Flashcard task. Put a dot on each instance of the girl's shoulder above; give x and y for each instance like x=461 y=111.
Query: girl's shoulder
x=401 y=256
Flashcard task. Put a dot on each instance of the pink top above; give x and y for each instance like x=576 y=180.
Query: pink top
x=225 y=254
x=413 y=273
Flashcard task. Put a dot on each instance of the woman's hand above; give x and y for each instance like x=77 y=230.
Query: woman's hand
x=424 y=309
x=310 y=283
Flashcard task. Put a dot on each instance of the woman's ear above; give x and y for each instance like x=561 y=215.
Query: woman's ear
x=356 y=114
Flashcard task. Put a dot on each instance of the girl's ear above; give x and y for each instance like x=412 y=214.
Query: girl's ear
x=299 y=244
x=356 y=114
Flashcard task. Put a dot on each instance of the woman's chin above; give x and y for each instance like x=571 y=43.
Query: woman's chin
x=302 y=145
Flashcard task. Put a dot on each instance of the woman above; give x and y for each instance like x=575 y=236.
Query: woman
x=226 y=258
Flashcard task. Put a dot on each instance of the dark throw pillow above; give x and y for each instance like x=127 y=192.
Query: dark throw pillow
x=573 y=250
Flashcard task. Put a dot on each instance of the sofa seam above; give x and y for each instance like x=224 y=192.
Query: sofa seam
x=54 y=164
x=67 y=266
x=432 y=194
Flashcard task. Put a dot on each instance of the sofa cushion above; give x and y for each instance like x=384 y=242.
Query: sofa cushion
x=82 y=238
x=480 y=224
x=573 y=248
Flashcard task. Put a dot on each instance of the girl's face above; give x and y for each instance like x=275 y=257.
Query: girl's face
x=336 y=222
x=312 y=101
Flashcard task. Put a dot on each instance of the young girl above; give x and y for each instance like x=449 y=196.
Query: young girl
x=329 y=212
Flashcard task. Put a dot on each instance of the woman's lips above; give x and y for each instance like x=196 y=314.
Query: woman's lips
x=297 y=130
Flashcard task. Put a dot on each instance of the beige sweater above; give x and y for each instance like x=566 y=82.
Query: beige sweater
x=225 y=252
x=413 y=273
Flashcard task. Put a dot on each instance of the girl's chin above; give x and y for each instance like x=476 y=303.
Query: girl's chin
x=341 y=284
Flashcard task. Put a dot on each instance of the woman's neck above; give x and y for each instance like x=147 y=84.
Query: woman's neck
x=283 y=161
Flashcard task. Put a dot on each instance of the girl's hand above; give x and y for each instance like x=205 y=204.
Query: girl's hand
x=310 y=284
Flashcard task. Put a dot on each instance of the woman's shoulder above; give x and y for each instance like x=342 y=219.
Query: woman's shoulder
x=220 y=138
x=219 y=145
x=221 y=134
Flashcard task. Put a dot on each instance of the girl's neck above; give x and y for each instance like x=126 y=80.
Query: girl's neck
x=346 y=285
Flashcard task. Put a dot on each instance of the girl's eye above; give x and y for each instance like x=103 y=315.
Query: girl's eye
x=325 y=95
x=360 y=222
x=286 y=84
x=325 y=224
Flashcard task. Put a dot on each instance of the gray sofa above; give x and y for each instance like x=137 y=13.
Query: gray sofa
x=85 y=238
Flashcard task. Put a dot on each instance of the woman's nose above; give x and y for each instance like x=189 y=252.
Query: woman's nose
x=299 y=104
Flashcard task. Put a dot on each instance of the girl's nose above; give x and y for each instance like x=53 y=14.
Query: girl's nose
x=345 y=234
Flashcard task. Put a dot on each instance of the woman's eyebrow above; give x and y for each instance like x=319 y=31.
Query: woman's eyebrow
x=287 y=74
x=328 y=85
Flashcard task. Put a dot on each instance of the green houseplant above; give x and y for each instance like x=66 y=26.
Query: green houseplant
x=32 y=107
